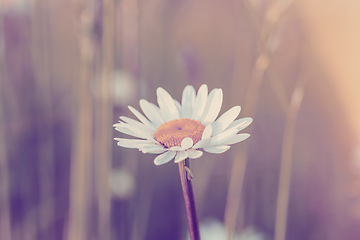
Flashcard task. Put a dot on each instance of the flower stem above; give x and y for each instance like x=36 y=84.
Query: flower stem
x=185 y=177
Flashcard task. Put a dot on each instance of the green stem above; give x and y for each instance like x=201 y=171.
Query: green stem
x=185 y=177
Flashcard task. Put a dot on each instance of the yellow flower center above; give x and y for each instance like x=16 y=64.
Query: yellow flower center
x=171 y=133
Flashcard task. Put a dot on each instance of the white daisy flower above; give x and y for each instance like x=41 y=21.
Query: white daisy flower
x=182 y=131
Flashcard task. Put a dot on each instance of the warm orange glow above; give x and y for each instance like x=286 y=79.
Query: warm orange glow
x=333 y=33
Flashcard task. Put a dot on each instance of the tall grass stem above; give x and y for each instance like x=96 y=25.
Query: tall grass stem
x=81 y=162
x=5 y=223
x=103 y=120
x=40 y=50
x=286 y=163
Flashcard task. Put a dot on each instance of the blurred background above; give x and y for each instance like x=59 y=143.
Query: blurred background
x=69 y=69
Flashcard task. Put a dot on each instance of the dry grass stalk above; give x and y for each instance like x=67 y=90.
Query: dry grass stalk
x=40 y=51
x=286 y=162
x=5 y=227
x=103 y=122
x=82 y=154
x=263 y=65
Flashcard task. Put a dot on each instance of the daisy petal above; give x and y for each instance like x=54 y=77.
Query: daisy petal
x=222 y=137
x=217 y=149
x=164 y=158
x=237 y=138
x=140 y=132
x=213 y=106
x=123 y=129
x=207 y=132
x=141 y=117
x=177 y=149
x=152 y=112
x=155 y=149
x=192 y=153
x=167 y=105
x=187 y=143
x=181 y=156
x=187 y=101
x=200 y=102
x=202 y=143
x=241 y=123
x=224 y=121
x=139 y=125
x=132 y=143
x=179 y=108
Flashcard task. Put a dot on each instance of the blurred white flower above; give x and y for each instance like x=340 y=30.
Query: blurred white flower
x=181 y=131
x=124 y=88
x=212 y=229
x=122 y=183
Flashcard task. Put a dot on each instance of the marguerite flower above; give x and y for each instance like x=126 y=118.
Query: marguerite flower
x=182 y=131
